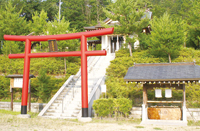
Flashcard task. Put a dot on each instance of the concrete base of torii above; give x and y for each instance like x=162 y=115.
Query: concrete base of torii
x=23 y=116
x=85 y=119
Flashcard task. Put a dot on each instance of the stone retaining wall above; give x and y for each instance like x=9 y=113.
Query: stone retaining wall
x=136 y=112
x=35 y=107
x=192 y=113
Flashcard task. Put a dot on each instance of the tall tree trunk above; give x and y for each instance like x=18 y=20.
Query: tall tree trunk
x=130 y=49
x=97 y=10
x=169 y=58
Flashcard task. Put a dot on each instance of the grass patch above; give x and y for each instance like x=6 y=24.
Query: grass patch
x=32 y=114
x=9 y=112
x=139 y=126
x=157 y=128
x=193 y=123
x=113 y=120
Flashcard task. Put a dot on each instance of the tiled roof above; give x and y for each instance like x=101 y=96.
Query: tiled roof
x=163 y=72
x=90 y=27
x=18 y=76
x=94 y=41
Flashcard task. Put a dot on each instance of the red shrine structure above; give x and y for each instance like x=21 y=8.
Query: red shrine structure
x=83 y=53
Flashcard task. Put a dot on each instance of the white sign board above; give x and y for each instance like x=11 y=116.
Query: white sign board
x=18 y=82
x=103 y=88
x=158 y=93
x=168 y=93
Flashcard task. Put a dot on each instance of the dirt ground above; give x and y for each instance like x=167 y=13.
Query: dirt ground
x=13 y=123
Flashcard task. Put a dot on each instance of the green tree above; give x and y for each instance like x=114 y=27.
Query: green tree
x=167 y=36
x=4 y=87
x=10 y=21
x=74 y=12
x=194 y=25
x=175 y=8
x=39 y=24
x=96 y=9
x=10 y=47
x=129 y=14
x=43 y=88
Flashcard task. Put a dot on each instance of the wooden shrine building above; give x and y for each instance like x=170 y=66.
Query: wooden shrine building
x=168 y=77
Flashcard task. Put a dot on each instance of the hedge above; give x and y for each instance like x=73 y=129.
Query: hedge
x=104 y=107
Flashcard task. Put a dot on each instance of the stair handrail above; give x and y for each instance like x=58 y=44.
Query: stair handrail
x=56 y=95
x=107 y=48
x=78 y=74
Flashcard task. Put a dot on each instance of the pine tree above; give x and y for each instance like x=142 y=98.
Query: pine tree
x=166 y=37
x=10 y=21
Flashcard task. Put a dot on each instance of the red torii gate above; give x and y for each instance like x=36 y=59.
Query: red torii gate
x=83 y=53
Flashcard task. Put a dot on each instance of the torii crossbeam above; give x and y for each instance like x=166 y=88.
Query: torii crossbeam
x=83 y=53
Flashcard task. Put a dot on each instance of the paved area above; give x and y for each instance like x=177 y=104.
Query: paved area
x=13 y=123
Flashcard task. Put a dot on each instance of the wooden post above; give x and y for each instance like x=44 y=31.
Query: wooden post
x=145 y=94
x=184 y=117
x=29 y=93
x=184 y=96
x=29 y=105
x=11 y=104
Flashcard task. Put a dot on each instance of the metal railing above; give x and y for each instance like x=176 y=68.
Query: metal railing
x=95 y=94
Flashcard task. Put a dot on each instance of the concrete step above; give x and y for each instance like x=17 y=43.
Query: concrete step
x=51 y=114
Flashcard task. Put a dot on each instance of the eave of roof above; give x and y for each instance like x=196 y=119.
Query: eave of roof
x=18 y=76
x=163 y=72
x=94 y=41
x=90 y=28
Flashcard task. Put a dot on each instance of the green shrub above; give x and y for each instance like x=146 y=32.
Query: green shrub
x=124 y=105
x=44 y=87
x=104 y=107
x=4 y=87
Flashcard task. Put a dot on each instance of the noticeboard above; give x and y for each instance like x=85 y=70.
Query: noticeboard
x=18 y=82
x=53 y=46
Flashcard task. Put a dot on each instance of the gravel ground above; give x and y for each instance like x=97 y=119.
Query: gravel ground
x=12 y=123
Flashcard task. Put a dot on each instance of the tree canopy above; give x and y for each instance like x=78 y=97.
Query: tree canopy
x=167 y=36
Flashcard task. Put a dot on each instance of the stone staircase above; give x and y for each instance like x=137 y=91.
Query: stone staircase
x=67 y=101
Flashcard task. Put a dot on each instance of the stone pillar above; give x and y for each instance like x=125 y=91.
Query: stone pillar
x=184 y=105
x=144 y=105
x=144 y=113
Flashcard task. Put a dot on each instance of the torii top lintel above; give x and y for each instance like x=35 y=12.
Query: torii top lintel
x=83 y=53
x=60 y=37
